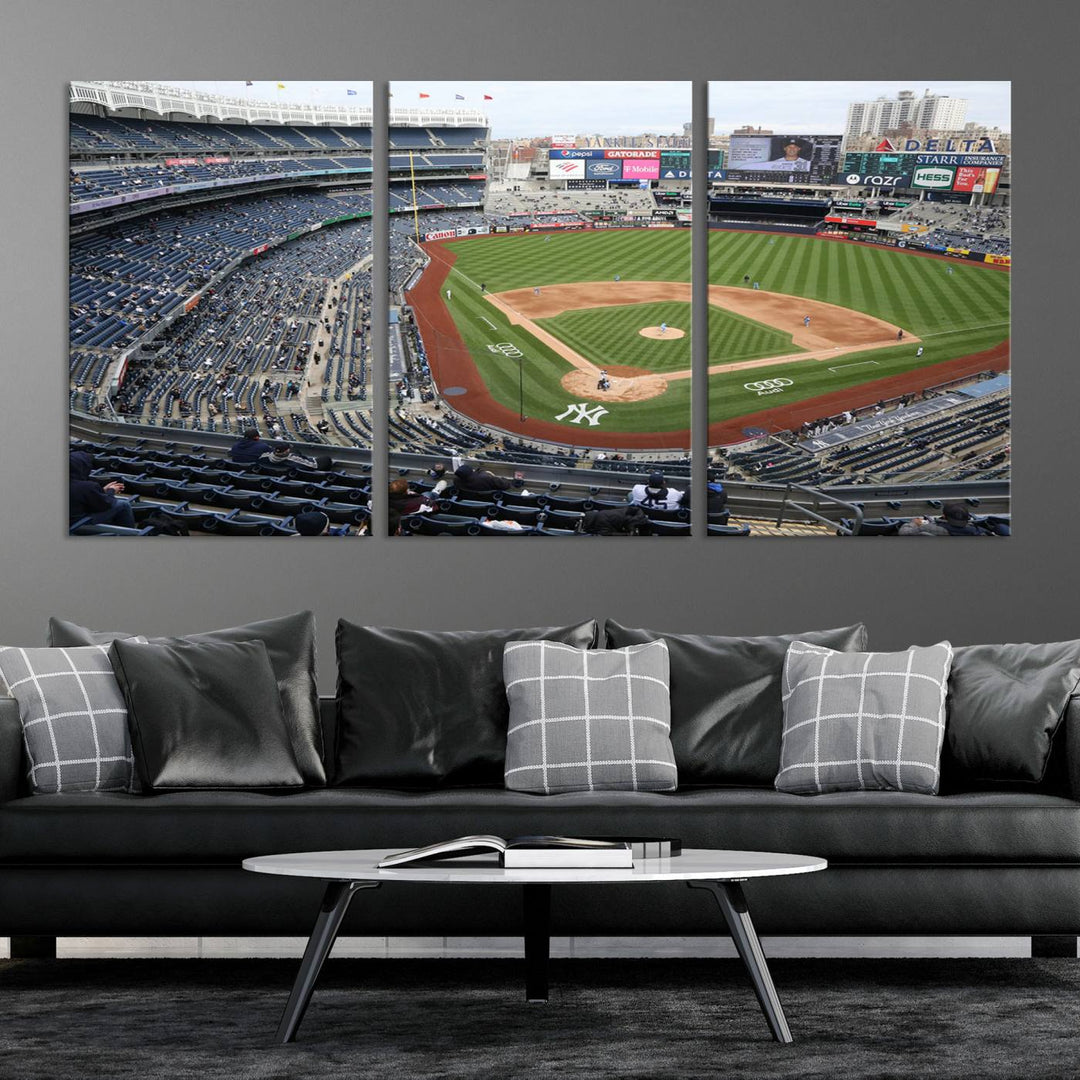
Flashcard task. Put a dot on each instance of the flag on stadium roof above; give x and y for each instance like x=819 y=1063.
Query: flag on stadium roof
x=281 y=86
x=248 y=82
x=459 y=97
x=425 y=95
x=488 y=97
x=351 y=93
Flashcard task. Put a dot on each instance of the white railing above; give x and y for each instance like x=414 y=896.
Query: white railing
x=163 y=100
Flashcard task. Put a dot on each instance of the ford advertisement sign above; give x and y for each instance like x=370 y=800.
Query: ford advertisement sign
x=603 y=170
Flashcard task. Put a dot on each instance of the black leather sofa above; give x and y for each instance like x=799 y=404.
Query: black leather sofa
x=981 y=863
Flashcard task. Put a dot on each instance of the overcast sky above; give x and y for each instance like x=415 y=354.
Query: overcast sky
x=821 y=107
x=295 y=92
x=529 y=109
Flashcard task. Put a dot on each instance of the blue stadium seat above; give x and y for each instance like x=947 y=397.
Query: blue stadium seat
x=439 y=525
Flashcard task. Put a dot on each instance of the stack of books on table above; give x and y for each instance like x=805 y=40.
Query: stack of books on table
x=537 y=852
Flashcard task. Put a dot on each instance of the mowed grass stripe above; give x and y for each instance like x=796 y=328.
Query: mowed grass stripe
x=728 y=397
x=959 y=314
x=611 y=336
x=517 y=262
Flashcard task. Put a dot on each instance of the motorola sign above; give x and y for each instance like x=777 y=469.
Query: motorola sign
x=876 y=180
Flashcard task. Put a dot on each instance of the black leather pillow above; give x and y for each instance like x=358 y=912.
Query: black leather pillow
x=290 y=645
x=427 y=709
x=726 y=710
x=205 y=715
x=1005 y=704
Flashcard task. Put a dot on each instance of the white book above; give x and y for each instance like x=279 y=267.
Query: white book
x=523 y=851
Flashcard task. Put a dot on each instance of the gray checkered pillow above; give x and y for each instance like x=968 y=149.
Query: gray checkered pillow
x=74 y=719
x=863 y=721
x=588 y=719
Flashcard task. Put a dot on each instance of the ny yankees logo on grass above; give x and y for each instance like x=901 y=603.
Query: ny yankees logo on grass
x=581 y=410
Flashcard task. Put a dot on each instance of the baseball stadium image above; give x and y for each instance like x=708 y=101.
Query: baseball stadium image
x=878 y=254
x=540 y=344
x=220 y=309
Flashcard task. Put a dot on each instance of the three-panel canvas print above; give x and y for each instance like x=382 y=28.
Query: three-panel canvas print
x=536 y=370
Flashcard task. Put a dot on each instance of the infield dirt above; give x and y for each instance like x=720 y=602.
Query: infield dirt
x=452 y=365
x=833 y=331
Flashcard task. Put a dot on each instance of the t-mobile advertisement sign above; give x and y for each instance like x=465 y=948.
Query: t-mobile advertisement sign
x=638 y=169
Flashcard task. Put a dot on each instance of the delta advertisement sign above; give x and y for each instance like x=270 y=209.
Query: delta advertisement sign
x=980 y=145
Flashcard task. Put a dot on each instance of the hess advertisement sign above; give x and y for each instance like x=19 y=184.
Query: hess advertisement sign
x=933 y=177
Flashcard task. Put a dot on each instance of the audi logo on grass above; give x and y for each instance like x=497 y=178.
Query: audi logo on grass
x=767 y=386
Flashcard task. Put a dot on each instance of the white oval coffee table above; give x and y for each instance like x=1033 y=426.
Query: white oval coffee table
x=720 y=872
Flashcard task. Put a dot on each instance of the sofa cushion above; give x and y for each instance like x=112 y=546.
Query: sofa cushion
x=863 y=721
x=227 y=826
x=290 y=645
x=74 y=720
x=425 y=709
x=1005 y=704
x=205 y=715
x=726 y=714
x=588 y=719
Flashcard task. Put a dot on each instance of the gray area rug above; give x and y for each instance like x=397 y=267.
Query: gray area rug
x=401 y=1019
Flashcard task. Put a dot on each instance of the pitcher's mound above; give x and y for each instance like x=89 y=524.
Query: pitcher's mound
x=672 y=333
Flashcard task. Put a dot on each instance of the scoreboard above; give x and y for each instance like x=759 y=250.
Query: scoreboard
x=675 y=164
x=878 y=170
x=802 y=159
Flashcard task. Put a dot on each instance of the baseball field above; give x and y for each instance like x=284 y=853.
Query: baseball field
x=534 y=321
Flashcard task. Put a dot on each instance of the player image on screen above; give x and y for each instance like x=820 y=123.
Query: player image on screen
x=794 y=156
x=811 y=159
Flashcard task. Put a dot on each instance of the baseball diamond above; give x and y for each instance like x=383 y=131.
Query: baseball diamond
x=556 y=300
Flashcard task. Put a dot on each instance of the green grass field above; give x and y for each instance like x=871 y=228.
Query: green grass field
x=955 y=314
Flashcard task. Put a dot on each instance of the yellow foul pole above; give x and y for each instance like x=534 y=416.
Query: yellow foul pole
x=415 y=208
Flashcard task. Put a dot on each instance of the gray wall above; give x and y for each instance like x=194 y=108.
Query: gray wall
x=978 y=590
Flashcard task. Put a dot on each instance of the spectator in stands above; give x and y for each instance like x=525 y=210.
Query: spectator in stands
x=250 y=448
x=90 y=499
x=656 y=493
x=405 y=500
x=956 y=518
x=283 y=454
x=313 y=523
x=615 y=521
x=922 y=526
x=717 y=497
x=468 y=479
x=442 y=481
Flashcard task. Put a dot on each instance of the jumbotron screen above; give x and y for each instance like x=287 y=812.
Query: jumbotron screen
x=795 y=159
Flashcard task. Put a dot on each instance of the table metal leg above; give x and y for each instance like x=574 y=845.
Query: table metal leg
x=732 y=903
x=334 y=905
x=537 y=902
